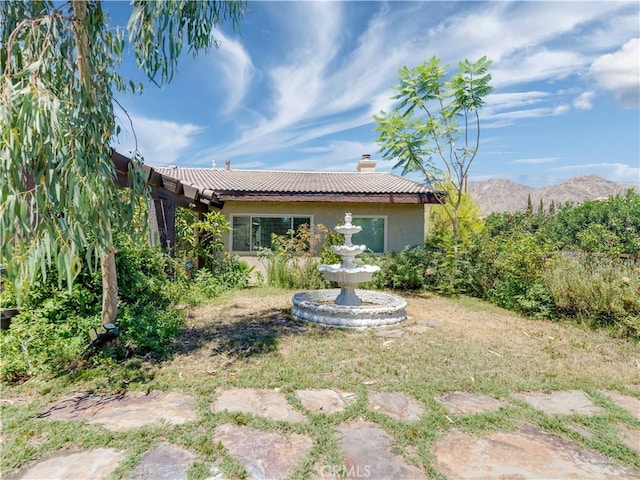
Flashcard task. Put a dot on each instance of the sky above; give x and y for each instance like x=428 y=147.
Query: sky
x=296 y=86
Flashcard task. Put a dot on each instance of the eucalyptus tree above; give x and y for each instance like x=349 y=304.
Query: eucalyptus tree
x=434 y=128
x=59 y=73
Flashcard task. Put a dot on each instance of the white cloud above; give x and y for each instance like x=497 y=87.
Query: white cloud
x=539 y=65
x=232 y=64
x=617 y=172
x=340 y=155
x=508 y=118
x=161 y=142
x=534 y=161
x=337 y=69
x=515 y=99
x=561 y=109
x=619 y=72
x=612 y=31
x=584 y=101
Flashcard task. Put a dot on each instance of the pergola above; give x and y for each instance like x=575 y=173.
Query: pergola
x=167 y=193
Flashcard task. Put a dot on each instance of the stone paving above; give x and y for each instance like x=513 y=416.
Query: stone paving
x=396 y=405
x=368 y=450
x=263 y=454
x=526 y=454
x=124 y=412
x=325 y=400
x=561 y=403
x=464 y=403
x=368 y=454
x=163 y=462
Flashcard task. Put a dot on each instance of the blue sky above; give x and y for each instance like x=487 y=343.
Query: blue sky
x=297 y=85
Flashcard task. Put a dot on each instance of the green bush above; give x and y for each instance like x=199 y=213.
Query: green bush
x=37 y=344
x=563 y=265
x=596 y=290
x=409 y=269
x=293 y=260
x=608 y=226
x=518 y=283
x=230 y=272
x=536 y=263
x=51 y=332
x=285 y=271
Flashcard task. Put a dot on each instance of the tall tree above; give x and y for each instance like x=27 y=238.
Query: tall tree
x=59 y=72
x=434 y=128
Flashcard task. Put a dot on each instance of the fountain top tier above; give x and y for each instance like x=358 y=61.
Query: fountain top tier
x=347 y=251
x=348 y=230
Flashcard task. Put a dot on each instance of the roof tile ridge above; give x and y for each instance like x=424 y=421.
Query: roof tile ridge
x=270 y=170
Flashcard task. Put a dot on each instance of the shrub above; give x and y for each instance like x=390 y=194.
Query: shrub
x=508 y=271
x=596 y=290
x=52 y=330
x=607 y=226
x=293 y=259
x=562 y=265
x=405 y=270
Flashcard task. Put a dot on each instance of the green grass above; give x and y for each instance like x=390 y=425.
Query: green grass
x=246 y=339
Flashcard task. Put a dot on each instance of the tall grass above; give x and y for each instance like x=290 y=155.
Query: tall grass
x=299 y=273
x=596 y=290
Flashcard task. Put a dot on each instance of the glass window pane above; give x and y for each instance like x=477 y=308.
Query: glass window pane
x=241 y=234
x=372 y=234
x=298 y=221
x=264 y=227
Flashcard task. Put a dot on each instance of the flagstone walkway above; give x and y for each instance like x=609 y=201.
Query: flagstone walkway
x=368 y=450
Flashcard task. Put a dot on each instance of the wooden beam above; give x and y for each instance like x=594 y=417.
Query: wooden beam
x=172 y=184
x=190 y=192
x=120 y=162
x=155 y=179
x=179 y=200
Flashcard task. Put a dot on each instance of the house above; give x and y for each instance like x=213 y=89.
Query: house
x=258 y=203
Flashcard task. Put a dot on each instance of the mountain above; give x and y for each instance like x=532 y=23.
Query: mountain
x=499 y=195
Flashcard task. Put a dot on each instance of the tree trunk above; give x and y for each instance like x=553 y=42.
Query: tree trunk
x=454 y=266
x=109 y=284
x=109 y=274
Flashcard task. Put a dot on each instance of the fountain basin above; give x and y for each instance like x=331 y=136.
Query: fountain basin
x=378 y=309
x=350 y=250
x=352 y=276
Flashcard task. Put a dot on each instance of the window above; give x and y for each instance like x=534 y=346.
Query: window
x=252 y=232
x=373 y=233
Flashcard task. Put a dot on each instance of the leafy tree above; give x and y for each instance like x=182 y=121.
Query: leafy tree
x=59 y=62
x=440 y=230
x=529 y=205
x=436 y=117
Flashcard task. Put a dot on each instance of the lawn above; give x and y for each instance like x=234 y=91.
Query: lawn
x=247 y=339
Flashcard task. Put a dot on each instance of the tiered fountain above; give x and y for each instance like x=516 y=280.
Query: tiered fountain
x=348 y=307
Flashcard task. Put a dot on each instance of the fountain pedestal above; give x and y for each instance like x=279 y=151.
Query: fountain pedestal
x=348 y=309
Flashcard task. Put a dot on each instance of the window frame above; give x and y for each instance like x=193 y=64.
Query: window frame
x=251 y=216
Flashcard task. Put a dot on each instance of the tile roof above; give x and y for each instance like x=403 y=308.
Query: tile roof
x=288 y=182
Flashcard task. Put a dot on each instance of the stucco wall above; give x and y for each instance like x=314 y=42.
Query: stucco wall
x=405 y=223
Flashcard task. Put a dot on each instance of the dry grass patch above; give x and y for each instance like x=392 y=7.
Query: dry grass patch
x=247 y=339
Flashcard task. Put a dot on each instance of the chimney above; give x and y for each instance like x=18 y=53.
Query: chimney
x=227 y=164
x=366 y=165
